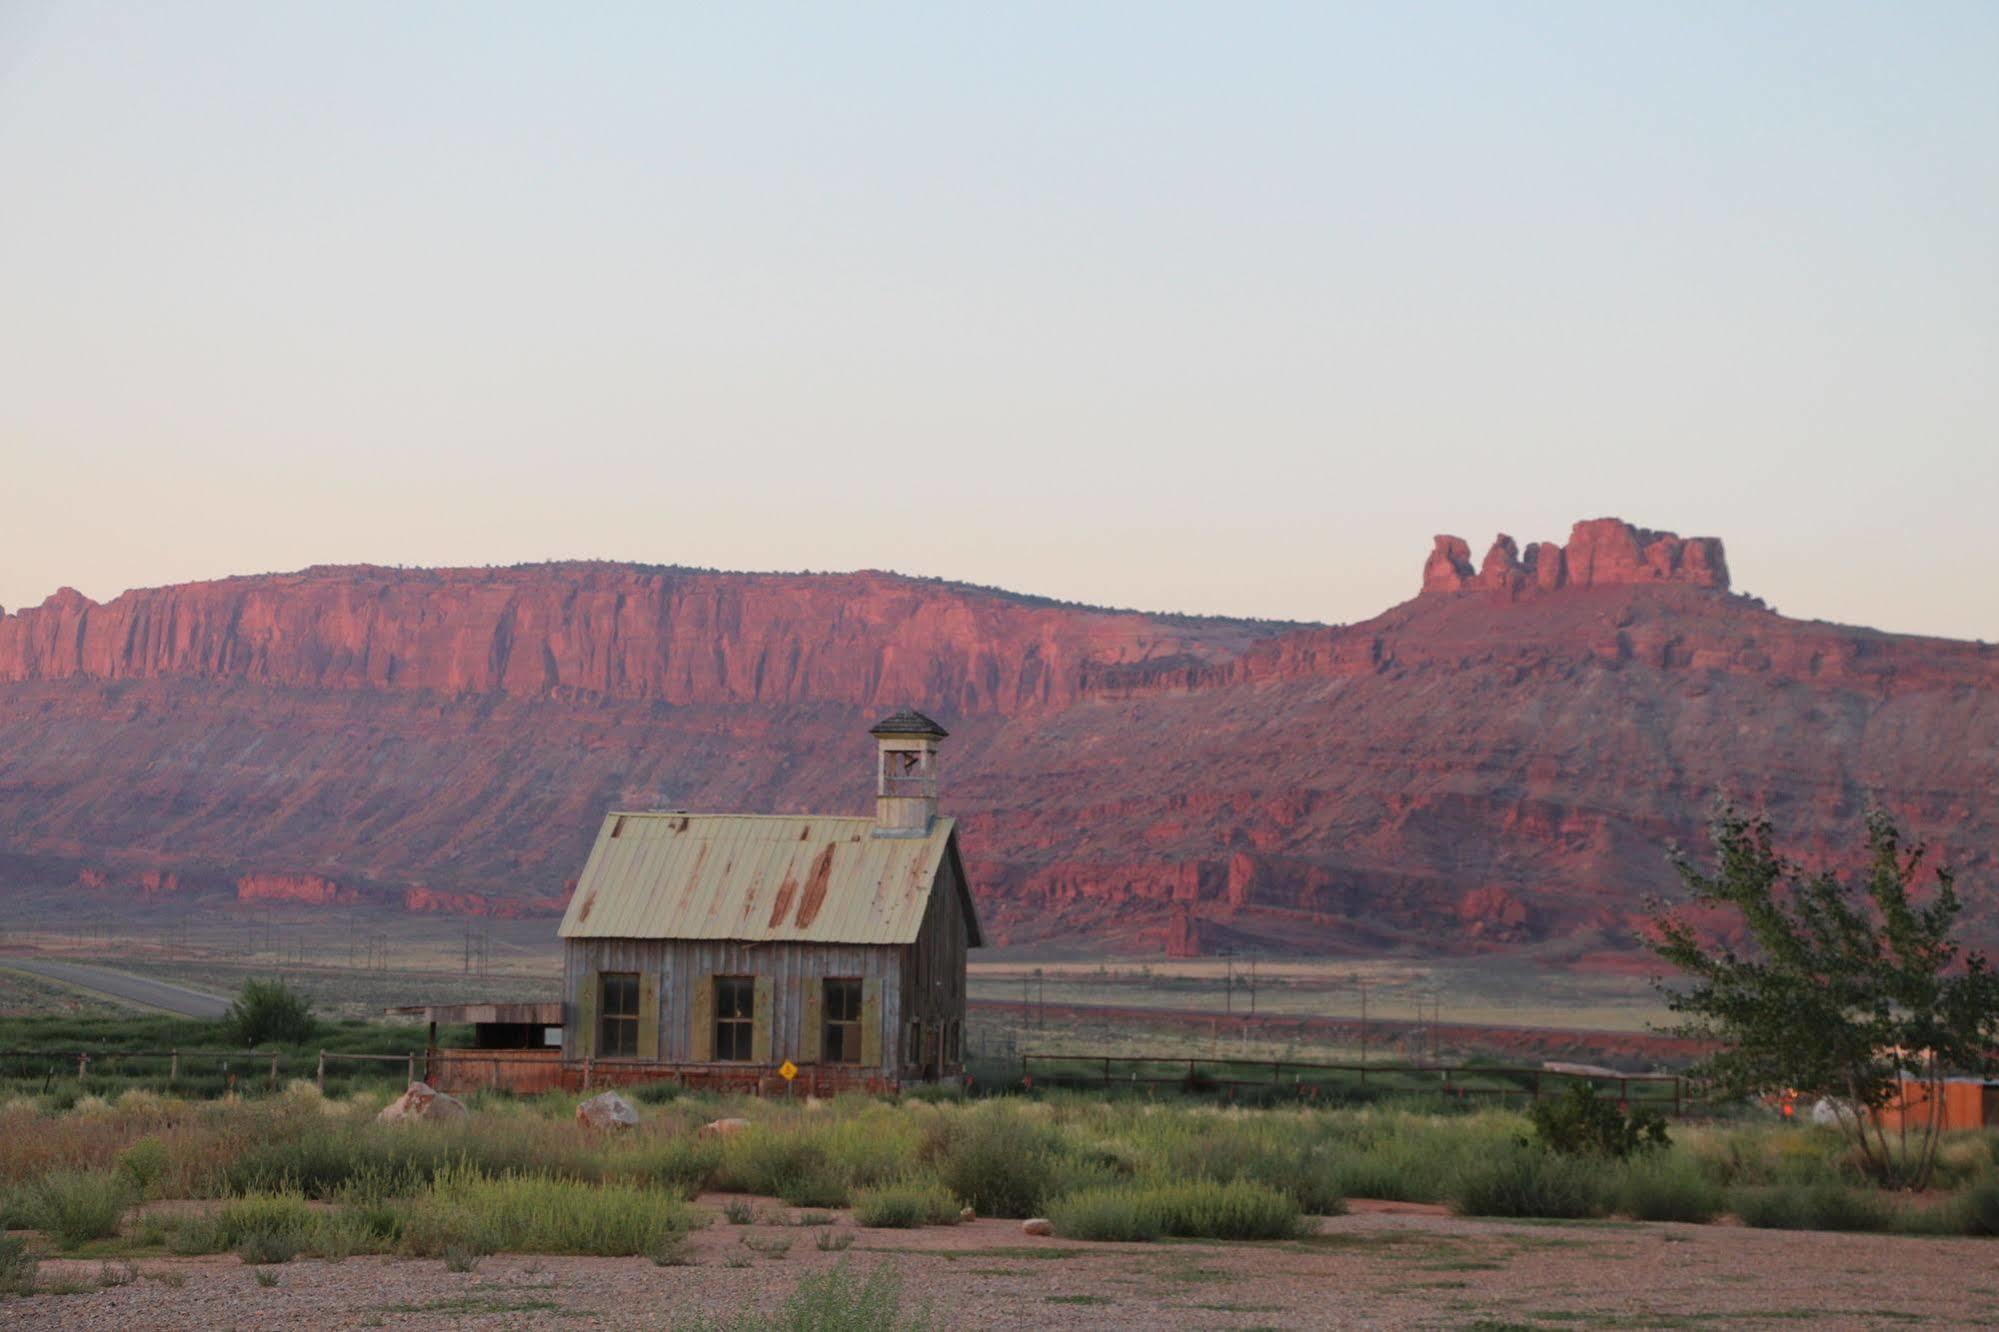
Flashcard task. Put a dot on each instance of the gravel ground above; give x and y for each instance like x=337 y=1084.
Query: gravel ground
x=1385 y=1266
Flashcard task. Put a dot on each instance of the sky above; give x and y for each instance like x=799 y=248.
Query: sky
x=1218 y=308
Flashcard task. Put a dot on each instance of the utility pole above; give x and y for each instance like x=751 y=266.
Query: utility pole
x=1363 y=1020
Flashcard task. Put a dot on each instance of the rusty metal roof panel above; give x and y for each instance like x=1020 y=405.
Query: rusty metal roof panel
x=800 y=878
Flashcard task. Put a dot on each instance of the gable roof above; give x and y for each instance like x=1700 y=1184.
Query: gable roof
x=760 y=878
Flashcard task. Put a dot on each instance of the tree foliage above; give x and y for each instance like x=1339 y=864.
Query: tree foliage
x=269 y=1011
x=1842 y=991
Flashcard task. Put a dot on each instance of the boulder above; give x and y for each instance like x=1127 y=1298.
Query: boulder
x=607 y=1110
x=724 y=1128
x=1037 y=1225
x=422 y=1101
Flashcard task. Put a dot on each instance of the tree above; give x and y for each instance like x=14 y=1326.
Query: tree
x=1844 y=991
x=269 y=1011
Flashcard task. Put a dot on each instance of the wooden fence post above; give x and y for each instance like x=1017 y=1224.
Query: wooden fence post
x=319 y=1077
x=173 y=1067
x=412 y=1066
x=82 y=1064
x=274 y=1070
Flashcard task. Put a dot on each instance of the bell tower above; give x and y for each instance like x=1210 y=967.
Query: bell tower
x=905 y=773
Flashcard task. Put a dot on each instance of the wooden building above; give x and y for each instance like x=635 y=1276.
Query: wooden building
x=714 y=948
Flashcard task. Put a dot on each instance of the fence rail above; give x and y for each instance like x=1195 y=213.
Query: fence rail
x=271 y=1063
x=1310 y=1078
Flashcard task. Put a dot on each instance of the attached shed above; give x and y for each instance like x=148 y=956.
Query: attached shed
x=716 y=948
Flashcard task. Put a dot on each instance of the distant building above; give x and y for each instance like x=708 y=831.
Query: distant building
x=713 y=948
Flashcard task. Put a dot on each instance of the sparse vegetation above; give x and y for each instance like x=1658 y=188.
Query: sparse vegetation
x=303 y=1175
x=835 y=1300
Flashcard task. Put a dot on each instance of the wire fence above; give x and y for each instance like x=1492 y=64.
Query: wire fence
x=1668 y=1093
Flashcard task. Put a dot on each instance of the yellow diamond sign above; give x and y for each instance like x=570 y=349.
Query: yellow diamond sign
x=787 y=1070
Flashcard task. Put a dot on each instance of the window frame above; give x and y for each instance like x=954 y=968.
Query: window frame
x=617 y=1030
x=847 y=1030
x=735 y=1031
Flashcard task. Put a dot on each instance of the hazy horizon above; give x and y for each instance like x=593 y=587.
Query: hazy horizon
x=1202 y=311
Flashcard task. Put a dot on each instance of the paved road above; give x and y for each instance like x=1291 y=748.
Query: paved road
x=176 y=999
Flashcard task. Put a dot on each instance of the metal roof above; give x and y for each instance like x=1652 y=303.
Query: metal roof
x=756 y=877
x=908 y=722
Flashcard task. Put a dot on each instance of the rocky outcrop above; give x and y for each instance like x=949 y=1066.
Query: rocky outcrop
x=311 y=889
x=1602 y=552
x=1449 y=567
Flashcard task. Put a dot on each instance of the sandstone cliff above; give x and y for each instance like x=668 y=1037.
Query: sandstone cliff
x=1495 y=763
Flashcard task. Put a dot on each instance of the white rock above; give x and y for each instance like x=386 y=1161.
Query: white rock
x=723 y=1128
x=1039 y=1225
x=422 y=1101
x=607 y=1110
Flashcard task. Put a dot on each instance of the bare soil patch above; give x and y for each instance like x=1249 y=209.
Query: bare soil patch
x=1380 y=1267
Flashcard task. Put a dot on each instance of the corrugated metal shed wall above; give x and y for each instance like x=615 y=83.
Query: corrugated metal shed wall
x=754 y=877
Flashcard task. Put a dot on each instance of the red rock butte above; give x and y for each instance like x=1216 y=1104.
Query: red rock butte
x=1602 y=552
x=1498 y=762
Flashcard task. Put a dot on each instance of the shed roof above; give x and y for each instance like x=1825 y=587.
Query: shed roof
x=760 y=878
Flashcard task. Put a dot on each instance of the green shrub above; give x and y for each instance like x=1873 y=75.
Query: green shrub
x=905 y=1206
x=1120 y=1213
x=1977 y=1209
x=14 y=1213
x=817 y=1188
x=269 y=1011
x=1529 y=1181
x=739 y=1211
x=271 y=1223
x=831 y=1301
x=685 y=1165
x=144 y=1164
x=773 y=1164
x=17 y=1266
x=267 y=1246
x=1000 y=1163
x=538 y=1214
x=76 y=1206
x=1581 y=1123
x=1195 y=1209
x=1663 y=1187
x=1813 y=1207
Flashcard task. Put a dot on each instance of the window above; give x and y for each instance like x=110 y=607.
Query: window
x=842 y=1043
x=735 y=1017
x=618 y=1014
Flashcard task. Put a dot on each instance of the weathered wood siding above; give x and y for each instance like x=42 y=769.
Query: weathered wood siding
x=677 y=973
x=933 y=999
